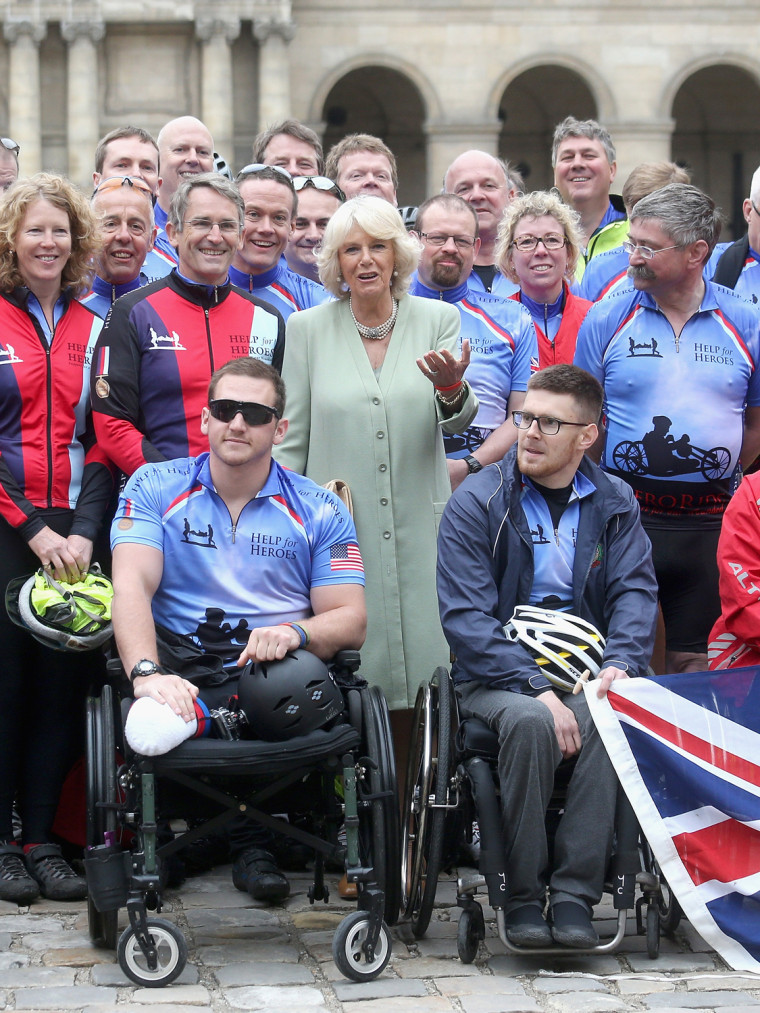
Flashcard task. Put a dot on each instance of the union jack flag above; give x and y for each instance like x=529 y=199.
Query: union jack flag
x=687 y=751
x=346 y=557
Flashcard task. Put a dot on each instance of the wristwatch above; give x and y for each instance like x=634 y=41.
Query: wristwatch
x=473 y=464
x=144 y=667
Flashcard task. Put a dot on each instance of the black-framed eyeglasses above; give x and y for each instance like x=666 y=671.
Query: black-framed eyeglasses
x=546 y=424
x=256 y=167
x=319 y=183
x=440 y=239
x=116 y=182
x=10 y=145
x=551 y=241
x=755 y=209
x=646 y=251
x=254 y=414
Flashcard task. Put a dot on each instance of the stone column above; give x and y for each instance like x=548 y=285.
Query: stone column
x=274 y=69
x=25 y=121
x=639 y=141
x=445 y=141
x=82 y=97
x=217 y=109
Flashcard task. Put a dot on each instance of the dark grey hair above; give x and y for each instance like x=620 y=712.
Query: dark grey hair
x=684 y=213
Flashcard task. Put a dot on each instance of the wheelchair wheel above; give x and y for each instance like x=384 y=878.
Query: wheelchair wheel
x=668 y=909
x=427 y=783
x=101 y=787
x=653 y=932
x=380 y=836
x=347 y=951
x=171 y=949
x=470 y=930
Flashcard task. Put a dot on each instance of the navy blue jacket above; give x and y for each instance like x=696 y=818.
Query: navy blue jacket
x=485 y=568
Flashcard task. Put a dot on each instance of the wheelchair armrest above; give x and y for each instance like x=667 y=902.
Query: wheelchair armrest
x=347 y=661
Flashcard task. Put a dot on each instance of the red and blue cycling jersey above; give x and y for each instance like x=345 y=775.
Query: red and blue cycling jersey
x=282 y=288
x=154 y=359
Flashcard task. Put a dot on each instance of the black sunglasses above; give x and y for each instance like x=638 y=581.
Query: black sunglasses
x=254 y=414
x=319 y=183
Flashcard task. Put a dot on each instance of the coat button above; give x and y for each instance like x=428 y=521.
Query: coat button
x=380 y=434
x=386 y=534
x=375 y=400
x=383 y=467
x=383 y=501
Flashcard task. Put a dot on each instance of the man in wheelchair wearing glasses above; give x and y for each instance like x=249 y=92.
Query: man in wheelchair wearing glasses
x=595 y=564
x=231 y=552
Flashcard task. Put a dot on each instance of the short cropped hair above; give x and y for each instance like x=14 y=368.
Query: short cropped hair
x=292 y=128
x=684 y=213
x=85 y=242
x=253 y=369
x=536 y=205
x=272 y=174
x=572 y=127
x=378 y=219
x=582 y=387
x=650 y=176
x=116 y=135
x=352 y=143
x=214 y=181
x=450 y=202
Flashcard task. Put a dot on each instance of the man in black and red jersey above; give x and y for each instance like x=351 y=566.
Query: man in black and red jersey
x=161 y=343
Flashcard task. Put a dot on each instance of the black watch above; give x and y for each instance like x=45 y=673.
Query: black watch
x=144 y=667
x=473 y=464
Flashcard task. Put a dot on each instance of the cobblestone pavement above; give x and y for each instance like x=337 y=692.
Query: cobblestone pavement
x=245 y=956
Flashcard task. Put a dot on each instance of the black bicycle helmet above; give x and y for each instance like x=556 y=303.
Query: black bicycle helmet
x=295 y=696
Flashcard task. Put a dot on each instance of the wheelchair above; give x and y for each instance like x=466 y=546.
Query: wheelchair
x=211 y=781
x=451 y=780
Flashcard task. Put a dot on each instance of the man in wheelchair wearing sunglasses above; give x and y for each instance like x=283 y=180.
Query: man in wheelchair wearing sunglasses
x=232 y=552
x=546 y=528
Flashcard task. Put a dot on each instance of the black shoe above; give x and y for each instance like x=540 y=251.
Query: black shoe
x=526 y=927
x=255 y=870
x=16 y=885
x=205 y=853
x=56 y=878
x=571 y=926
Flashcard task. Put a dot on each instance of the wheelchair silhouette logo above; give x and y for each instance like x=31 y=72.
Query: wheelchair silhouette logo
x=659 y=453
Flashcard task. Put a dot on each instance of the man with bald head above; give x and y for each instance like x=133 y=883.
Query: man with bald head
x=482 y=181
x=185 y=149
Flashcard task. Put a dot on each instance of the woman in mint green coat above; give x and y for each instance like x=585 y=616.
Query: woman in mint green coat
x=372 y=380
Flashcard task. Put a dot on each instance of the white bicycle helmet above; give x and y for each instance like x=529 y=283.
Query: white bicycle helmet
x=561 y=644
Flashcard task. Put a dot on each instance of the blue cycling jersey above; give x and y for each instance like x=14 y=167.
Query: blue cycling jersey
x=281 y=288
x=221 y=579
x=674 y=404
x=502 y=344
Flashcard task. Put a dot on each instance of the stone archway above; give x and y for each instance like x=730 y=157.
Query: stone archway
x=717 y=136
x=384 y=102
x=530 y=108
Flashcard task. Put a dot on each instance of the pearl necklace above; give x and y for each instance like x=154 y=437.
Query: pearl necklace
x=375 y=333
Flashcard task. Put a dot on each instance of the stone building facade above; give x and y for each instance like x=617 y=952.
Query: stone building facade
x=670 y=78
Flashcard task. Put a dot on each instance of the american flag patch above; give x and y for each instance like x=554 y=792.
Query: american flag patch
x=346 y=557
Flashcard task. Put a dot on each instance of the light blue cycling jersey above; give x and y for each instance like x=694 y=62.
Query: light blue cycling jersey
x=674 y=404
x=503 y=349
x=282 y=288
x=222 y=579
